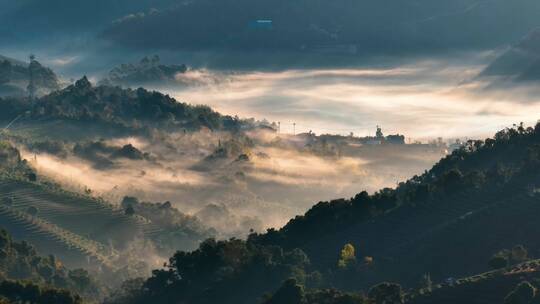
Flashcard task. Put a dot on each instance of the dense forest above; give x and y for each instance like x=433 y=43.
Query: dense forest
x=486 y=181
x=269 y=152
x=126 y=109
x=27 y=277
x=431 y=237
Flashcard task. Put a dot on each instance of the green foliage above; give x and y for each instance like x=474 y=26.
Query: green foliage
x=238 y=271
x=20 y=261
x=347 y=257
x=134 y=109
x=126 y=109
x=129 y=292
x=232 y=271
x=480 y=169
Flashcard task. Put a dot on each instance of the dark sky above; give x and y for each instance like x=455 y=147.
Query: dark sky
x=217 y=32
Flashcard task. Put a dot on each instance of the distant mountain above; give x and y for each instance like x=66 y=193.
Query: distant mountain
x=33 y=18
x=149 y=71
x=129 y=110
x=342 y=26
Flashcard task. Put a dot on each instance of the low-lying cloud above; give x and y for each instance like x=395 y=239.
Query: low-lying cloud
x=426 y=99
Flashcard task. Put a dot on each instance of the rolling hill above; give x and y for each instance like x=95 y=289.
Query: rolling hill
x=490 y=287
x=448 y=214
x=83 y=108
x=81 y=230
x=447 y=223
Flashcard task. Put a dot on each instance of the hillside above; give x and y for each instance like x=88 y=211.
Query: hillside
x=34 y=18
x=491 y=287
x=32 y=209
x=515 y=284
x=447 y=223
x=444 y=214
x=85 y=231
x=85 y=107
x=22 y=269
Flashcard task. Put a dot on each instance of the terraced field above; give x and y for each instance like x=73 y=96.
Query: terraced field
x=49 y=238
x=80 y=230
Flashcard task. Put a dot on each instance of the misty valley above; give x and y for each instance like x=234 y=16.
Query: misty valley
x=269 y=152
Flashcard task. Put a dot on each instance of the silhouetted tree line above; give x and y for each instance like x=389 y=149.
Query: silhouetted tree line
x=478 y=166
x=133 y=109
x=17 y=292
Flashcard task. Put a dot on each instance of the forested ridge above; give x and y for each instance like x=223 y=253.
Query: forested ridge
x=495 y=180
x=125 y=109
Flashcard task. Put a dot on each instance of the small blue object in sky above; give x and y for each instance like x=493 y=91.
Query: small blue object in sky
x=264 y=24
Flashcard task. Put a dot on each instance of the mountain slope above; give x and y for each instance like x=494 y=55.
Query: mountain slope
x=446 y=223
x=444 y=214
x=21 y=261
x=489 y=287
x=84 y=107
x=79 y=229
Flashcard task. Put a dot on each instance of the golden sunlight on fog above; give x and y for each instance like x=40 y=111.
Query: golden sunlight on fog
x=425 y=100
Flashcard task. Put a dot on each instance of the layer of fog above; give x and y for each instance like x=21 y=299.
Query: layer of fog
x=233 y=196
x=422 y=99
